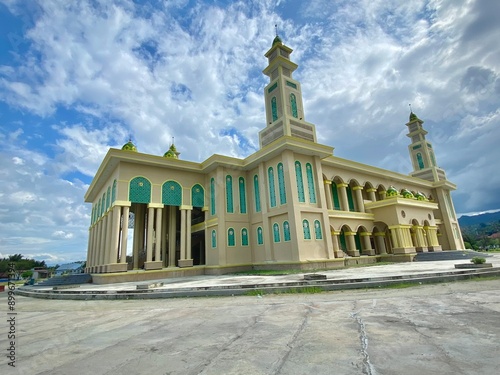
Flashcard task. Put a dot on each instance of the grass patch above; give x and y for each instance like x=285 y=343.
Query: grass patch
x=402 y=285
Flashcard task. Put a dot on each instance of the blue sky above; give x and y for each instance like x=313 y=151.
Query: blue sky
x=79 y=77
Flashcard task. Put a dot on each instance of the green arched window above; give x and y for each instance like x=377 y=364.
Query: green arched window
x=103 y=207
x=229 y=194
x=139 y=190
x=335 y=193
x=197 y=196
x=310 y=183
x=276 y=232
x=113 y=192
x=350 y=201
x=99 y=209
x=244 y=237
x=293 y=104
x=171 y=193
x=212 y=196
x=108 y=197
x=343 y=242
x=307 y=230
x=230 y=237
x=260 y=236
x=420 y=161
x=317 y=230
x=92 y=216
x=300 y=182
x=256 y=192
x=214 y=239
x=281 y=183
x=286 y=231
x=274 y=108
x=243 y=196
x=272 y=190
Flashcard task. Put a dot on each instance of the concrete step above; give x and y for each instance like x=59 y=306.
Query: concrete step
x=449 y=255
x=81 y=278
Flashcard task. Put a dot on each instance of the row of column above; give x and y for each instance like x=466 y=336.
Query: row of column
x=107 y=247
x=342 y=194
x=154 y=232
x=366 y=247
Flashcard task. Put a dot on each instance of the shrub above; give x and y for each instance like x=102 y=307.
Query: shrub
x=478 y=260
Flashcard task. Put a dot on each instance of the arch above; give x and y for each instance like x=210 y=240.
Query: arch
x=342 y=238
x=214 y=238
x=274 y=108
x=286 y=231
x=103 y=207
x=310 y=183
x=350 y=200
x=113 y=192
x=260 y=236
x=171 y=193
x=243 y=197
x=212 y=196
x=293 y=105
x=139 y=190
x=99 y=209
x=272 y=190
x=231 y=237
x=244 y=237
x=281 y=183
x=300 y=182
x=276 y=233
x=380 y=194
x=197 y=196
x=317 y=230
x=306 y=229
x=229 y=194
x=256 y=193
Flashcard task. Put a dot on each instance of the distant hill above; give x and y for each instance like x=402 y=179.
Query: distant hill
x=479 y=219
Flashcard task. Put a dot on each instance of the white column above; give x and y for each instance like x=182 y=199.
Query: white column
x=172 y=236
x=183 y=234
x=359 y=198
x=344 y=203
x=149 y=240
x=159 y=212
x=188 y=234
x=328 y=193
x=115 y=235
x=371 y=194
x=123 y=255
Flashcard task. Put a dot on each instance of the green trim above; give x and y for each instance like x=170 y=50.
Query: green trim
x=229 y=194
x=256 y=192
x=291 y=84
x=306 y=229
x=417 y=147
x=272 y=87
x=243 y=197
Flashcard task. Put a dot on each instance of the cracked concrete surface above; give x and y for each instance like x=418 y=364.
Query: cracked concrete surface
x=430 y=329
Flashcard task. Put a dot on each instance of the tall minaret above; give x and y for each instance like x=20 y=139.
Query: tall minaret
x=283 y=96
x=421 y=152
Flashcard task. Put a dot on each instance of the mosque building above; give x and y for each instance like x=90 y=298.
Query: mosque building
x=290 y=204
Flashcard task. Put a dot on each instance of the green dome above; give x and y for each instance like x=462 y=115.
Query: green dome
x=277 y=40
x=413 y=116
x=171 y=153
x=406 y=193
x=391 y=192
x=129 y=146
x=420 y=196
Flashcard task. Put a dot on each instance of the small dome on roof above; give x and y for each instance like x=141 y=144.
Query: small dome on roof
x=420 y=196
x=406 y=193
x=391 y=192
x=413 y=116
x=129 y=146
x=277 y=40
x=171 y=153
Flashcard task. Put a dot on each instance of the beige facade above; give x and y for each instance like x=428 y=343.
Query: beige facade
x=292 y=203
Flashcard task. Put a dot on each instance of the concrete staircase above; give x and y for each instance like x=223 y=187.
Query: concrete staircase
x=81 y=278
x=449 y=255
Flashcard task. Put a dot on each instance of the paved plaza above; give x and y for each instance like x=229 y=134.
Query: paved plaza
x=446 y=328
